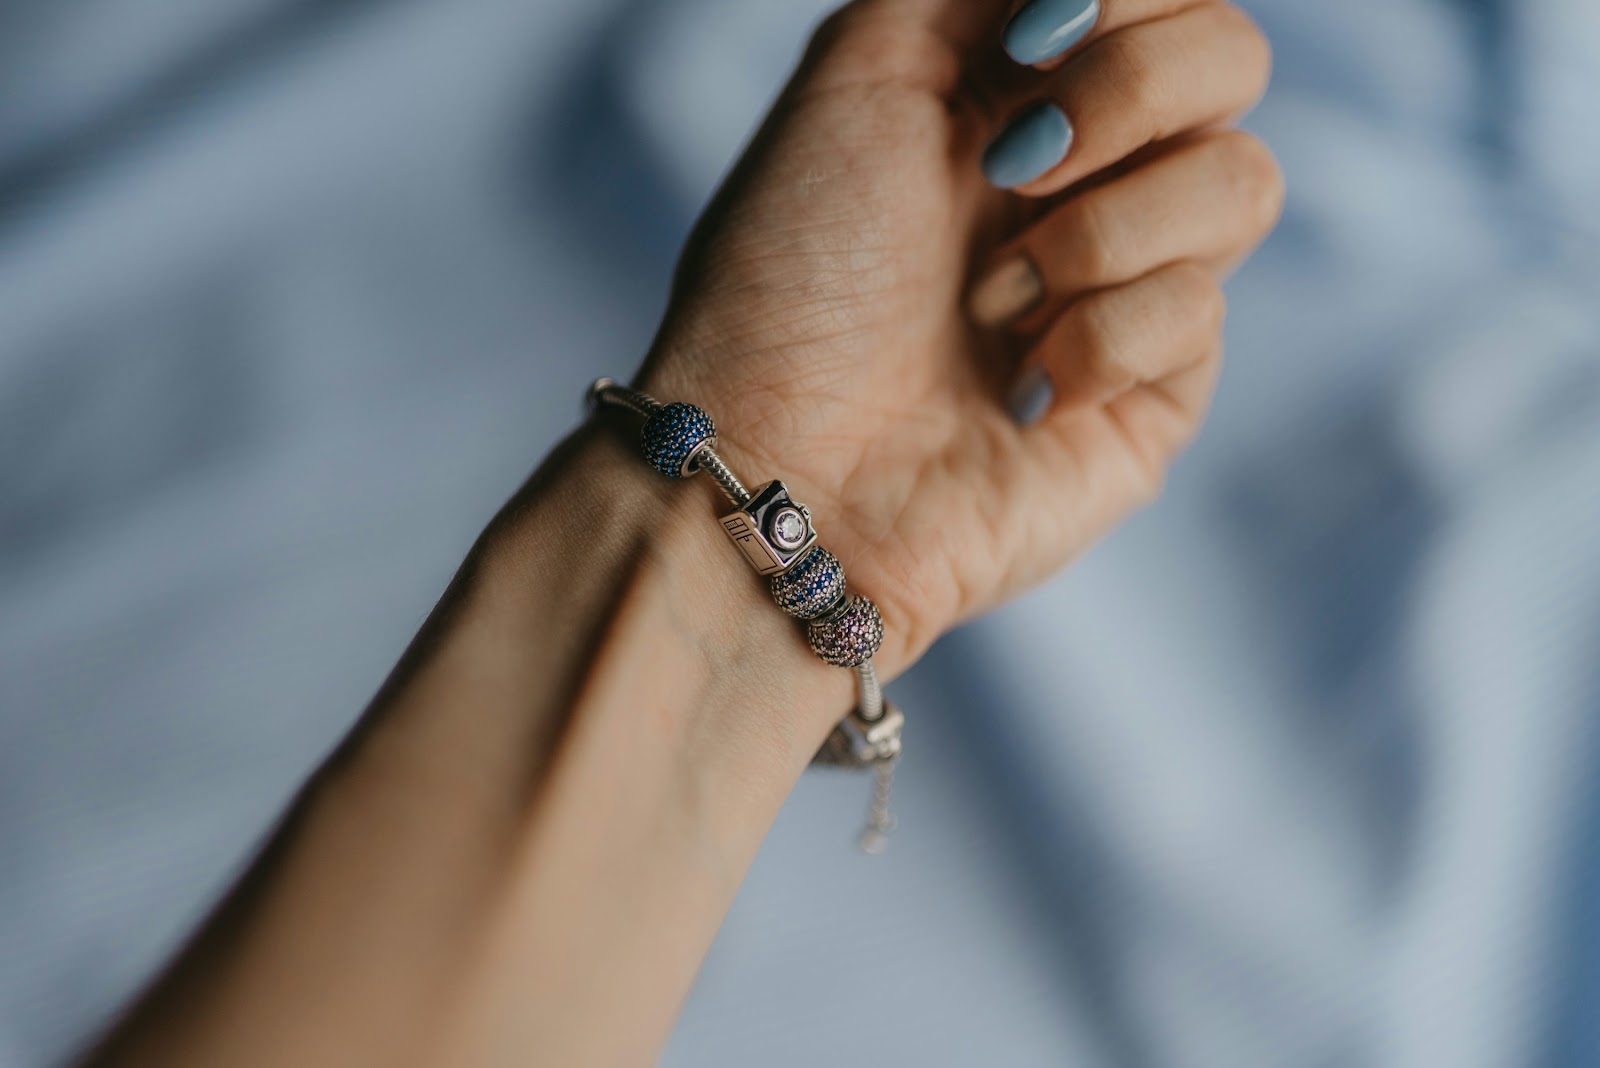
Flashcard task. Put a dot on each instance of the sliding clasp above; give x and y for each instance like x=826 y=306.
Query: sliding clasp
x=858 y=743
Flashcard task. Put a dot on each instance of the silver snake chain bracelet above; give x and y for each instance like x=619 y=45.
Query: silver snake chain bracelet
x=775 y=535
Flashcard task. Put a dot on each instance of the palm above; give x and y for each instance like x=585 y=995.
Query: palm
x=823 y=326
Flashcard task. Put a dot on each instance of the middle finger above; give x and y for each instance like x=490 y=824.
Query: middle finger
x=1209 y=201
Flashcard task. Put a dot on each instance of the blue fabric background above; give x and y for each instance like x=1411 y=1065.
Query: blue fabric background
x=1296 y=769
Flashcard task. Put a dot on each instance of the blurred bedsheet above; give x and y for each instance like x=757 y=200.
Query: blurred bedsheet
x=1296 y=770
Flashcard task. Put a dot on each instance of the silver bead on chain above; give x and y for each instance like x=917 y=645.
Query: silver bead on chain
x=807 y=582
x=702 y=457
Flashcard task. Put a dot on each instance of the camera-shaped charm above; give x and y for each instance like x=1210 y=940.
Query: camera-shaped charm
x=772 y=530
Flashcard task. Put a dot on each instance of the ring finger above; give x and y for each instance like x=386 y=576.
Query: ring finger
x=1105 y=344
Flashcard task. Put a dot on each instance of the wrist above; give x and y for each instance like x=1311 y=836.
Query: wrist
x=657 y=581
x=604 y=689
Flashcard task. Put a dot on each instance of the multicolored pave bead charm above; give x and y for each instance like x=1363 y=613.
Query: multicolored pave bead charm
x=849 y=635
x=812 y=586
x=673 y=435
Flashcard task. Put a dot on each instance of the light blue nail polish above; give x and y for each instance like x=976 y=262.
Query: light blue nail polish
x=1047 y=28
x=1035 y=141
x=1031 y=397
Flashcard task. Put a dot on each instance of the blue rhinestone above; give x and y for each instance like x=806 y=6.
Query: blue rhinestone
x=671 y=436
x=812 y=586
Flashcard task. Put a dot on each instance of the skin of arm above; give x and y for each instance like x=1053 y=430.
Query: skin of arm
x=523 y=852
x=544 y=815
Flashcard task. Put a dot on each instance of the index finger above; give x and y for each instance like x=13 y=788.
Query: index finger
x=1041 y=32
x=1035 y=31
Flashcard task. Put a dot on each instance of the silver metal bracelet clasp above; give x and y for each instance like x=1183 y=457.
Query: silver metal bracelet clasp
x=859 y=743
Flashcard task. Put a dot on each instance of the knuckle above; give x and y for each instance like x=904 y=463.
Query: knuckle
x=1200 y=301
x=1098 y=353
x=1238 y=22
x=1255 y=177
x=1095 y=256
x=1153 y=484
x=1136 y=72
x=1213 y=310
x=1148 y=458
x=1256 y=43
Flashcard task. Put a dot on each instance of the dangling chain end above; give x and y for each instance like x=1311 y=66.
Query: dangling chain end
x=880 y=819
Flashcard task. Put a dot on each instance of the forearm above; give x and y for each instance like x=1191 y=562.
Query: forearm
x=545 y=814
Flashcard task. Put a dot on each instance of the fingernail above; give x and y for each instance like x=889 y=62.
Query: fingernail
x=1005 y=292
x=1047 y=28
x=1035 y=141
x=1031 y=397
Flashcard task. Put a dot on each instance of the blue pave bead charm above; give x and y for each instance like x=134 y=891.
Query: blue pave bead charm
x=672 y=435
x=812 y=586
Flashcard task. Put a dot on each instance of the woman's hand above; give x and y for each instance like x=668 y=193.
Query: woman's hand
x=969 y=385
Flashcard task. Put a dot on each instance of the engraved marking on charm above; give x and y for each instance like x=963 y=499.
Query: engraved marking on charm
x=749 y=541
